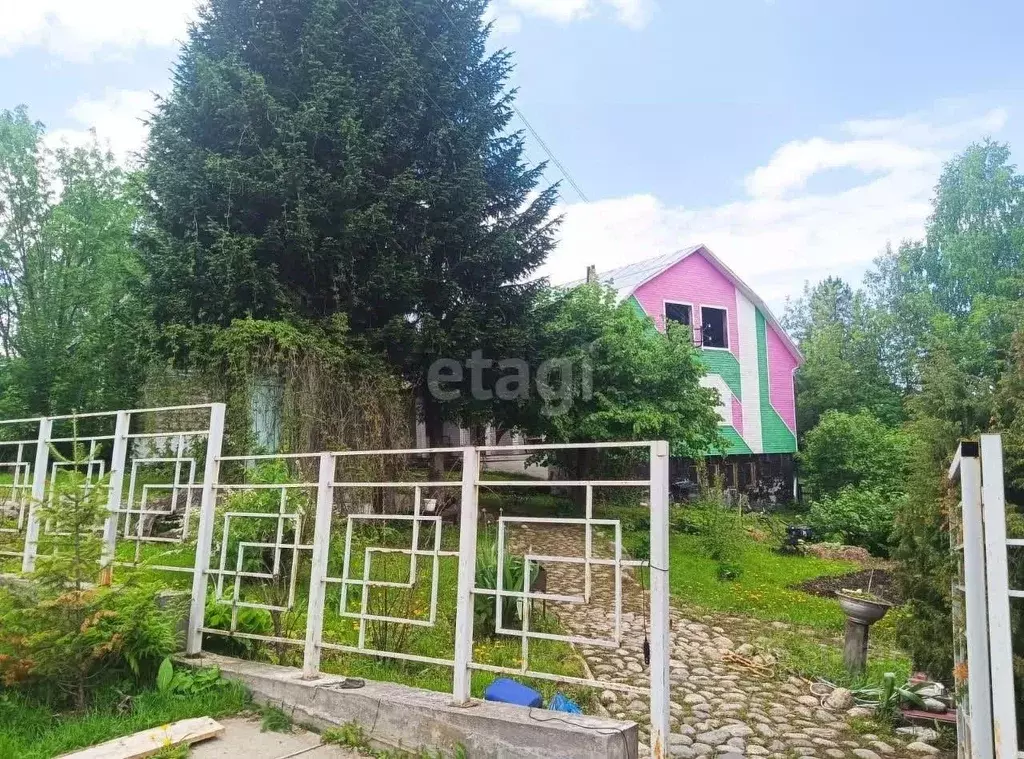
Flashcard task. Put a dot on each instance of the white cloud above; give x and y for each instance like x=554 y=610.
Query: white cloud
x=779 y=233
x=118 y=119
x=508 y=14
x=81 y=29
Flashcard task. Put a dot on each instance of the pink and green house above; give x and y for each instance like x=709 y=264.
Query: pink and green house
x=751 y=360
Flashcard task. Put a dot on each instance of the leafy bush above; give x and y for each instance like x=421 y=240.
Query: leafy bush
x=856 y=517
x=853 y=450
x=188 y=683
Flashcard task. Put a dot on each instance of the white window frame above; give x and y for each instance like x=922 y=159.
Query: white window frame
x=664 y=315
x=728 y=332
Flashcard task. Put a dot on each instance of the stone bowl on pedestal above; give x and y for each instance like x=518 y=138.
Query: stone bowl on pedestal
x=861 y=612
x=863 y=609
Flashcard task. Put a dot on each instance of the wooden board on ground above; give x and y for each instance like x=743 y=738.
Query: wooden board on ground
x=149 y=742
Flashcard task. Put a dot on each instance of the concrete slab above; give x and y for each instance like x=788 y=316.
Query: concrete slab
x=244 y=739
x=409 y=719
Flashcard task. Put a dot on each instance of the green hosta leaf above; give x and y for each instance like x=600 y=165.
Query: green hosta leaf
x=165 y=675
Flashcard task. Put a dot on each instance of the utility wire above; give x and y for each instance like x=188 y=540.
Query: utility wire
x=530 y=128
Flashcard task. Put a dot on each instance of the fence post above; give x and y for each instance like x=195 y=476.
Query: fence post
x=118 y=455
x=993 y=503
x=978 y=684
x=659 y=601
x=204 y=535
x=318 y=570
x=467 y=577
x=28 y=559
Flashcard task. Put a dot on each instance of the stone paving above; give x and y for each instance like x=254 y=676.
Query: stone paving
x=717 y=708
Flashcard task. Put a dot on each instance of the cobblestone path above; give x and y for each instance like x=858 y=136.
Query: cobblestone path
x=716 y=708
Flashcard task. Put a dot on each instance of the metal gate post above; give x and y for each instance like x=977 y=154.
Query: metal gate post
x=462 y=676
x=118 y=455
x=993 y=500
x=28 y=559
x=318 y=570
x=204 y=535
x=978 y=683
x=659 y=601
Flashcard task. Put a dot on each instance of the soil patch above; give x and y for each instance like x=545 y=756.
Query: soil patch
x=883 y=584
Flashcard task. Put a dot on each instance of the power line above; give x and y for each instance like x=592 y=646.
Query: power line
x=530 y=128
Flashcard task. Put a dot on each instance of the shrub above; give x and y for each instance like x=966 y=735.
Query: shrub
x=856 y=517
x=721 y=536
x=853 y=450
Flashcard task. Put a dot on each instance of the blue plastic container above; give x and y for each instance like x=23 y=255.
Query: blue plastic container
x=507 y=691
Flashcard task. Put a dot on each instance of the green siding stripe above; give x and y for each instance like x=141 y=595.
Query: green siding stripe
x=724 y=364
x=776 y=437
x=735 y=445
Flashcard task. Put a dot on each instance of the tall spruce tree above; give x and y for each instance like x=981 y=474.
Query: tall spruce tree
x=355 y=156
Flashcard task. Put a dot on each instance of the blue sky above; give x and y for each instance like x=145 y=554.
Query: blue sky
x=795 y=137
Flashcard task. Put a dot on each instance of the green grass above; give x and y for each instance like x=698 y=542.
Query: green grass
x=30 y=730
x=762 y=590
x=823 y=659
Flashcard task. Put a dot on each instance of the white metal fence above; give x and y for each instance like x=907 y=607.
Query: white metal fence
x=289 y=536
x=984 y=671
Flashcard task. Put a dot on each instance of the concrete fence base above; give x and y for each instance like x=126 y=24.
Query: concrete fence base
x=410 y=719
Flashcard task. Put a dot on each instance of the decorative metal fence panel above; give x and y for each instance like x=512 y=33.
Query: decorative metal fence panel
x=147 y=461
x=339 y=561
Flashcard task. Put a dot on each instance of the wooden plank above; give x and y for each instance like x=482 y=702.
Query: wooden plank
x=923 y=716
x=149 y=742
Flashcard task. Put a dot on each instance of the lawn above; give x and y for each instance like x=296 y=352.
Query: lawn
x=763 y=589
x=30 y=730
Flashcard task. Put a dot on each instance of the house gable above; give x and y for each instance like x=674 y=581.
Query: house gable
x=756 y=366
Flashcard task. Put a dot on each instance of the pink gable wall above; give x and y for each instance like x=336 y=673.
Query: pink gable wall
x=781 y=364
x=693 y=280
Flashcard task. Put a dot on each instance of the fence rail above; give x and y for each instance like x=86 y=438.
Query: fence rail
x=285 y=535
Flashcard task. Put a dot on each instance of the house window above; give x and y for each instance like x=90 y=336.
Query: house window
x=679 y=313
x=714 y=327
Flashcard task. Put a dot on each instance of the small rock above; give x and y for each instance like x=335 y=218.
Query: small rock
x=713 y=737
x=808 y=700
x=822 y=732
x=834 y=753
x=882 y=747
x=701 y=749
x=924 y=734
x=723 y=643
x=840 y=699
x=935 y=706
x=609 y=697
x=922 y=748
x=738 y=730
x=694 y=698
x=746 y=650
x=802 y=750
x=737 y=743
x=863 y=753
x=757 y=751
x=860 y=712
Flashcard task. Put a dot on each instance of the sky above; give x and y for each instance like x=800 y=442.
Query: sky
x=795 y=138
